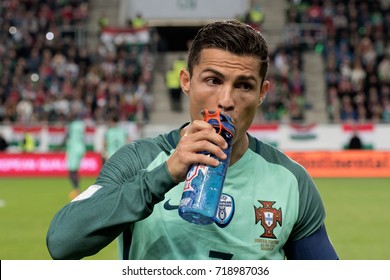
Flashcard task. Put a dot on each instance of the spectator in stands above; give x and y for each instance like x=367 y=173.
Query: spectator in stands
x=314 y=12
x=28 y=143
x=355 y=143
x=355 y=54
x=347 y=111
x=255 y=16
x=103 y=22
x=386 y=109
x=3 y=143
x=384 y=69
x=173 y=84
x=333 y=104
x=68 y=72
x=287 y=84
x=24 y=110
x=296 y=83
x=138 y=21
x=358 y=75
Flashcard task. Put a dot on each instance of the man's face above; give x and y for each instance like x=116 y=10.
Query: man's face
x=224 y=81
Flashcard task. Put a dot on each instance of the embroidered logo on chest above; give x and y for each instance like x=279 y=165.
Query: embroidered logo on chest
x=268 y=217
x=225 y=210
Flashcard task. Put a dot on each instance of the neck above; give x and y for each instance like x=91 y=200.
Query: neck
x=239 y=149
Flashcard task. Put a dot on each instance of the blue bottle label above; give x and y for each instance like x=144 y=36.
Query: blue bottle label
x=203 y=185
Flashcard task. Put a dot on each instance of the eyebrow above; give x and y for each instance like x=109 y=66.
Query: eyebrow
x=209 y=69
x=239 y=78
x=247 y=78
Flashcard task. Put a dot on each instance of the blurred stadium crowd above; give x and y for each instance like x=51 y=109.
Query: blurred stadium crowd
x=48 y=75
x=356 y=55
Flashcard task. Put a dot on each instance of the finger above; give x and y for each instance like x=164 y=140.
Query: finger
x=200 y=130
x=205 y=147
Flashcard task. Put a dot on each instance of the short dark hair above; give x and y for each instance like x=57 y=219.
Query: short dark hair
x=232 y=36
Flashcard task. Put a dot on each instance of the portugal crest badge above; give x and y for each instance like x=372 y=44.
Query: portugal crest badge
x=268 y=217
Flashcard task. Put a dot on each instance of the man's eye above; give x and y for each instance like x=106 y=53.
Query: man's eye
x=245 y=86
x=213 y=81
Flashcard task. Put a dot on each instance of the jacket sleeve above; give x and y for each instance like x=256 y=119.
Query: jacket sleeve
x=309 y=239
x=125 y=192
x=317 y=246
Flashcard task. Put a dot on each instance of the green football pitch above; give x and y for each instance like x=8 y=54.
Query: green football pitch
x=357 y=217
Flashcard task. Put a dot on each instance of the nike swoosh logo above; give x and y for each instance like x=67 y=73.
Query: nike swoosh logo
x=168 y=206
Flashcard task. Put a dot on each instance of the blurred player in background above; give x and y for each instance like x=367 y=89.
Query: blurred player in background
x=114 y=138
x=75 y=151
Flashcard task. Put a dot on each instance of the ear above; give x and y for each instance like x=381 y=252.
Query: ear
x=185 y=81
x=263 y=92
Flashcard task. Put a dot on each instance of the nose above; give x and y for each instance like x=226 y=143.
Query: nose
x=225 y=100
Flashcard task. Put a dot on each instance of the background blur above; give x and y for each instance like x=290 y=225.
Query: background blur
x=330 y=81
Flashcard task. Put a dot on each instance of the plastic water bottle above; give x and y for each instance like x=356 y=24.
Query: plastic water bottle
x=203 y=185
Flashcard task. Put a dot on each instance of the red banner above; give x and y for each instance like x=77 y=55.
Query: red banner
x=45 y=165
